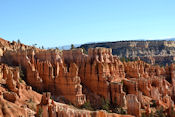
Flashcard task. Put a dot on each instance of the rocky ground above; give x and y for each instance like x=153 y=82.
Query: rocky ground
x=73 y=83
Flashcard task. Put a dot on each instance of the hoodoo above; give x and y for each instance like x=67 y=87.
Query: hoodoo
x=36 y=82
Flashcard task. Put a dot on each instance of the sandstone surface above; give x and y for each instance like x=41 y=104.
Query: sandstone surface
x=97 y=79
x=151 y=51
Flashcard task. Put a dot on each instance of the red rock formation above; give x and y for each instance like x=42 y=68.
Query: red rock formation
x=172 y=72
x=12 y=78
x=97 y=69
x=51 y=76
x=48 y=108
x=10 y=96
x=133 y=105
x=13 y=94
x=139 y=69
x=101 y=74
x=130 y=86
x=117 y=94
x=69 y=84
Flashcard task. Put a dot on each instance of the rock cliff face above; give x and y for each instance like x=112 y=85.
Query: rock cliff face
x=97 y=69
x=49 y=74
x=102 y=75
x=7 y=45
x=154 y=52
x=19 y=100
x=53 y=109
x=16 y=98
x=97 y=79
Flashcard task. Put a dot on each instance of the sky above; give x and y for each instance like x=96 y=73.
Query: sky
x=54 y=23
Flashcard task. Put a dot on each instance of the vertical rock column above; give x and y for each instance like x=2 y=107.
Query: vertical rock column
x=133 y=105
x=67 y=84
x=117 y=94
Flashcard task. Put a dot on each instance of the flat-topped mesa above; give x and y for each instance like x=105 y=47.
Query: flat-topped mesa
x=156 y=52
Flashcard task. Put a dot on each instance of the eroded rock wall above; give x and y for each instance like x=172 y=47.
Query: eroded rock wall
x=52 y=109
x=131 y=85
x=49 y=74
x=151 y=51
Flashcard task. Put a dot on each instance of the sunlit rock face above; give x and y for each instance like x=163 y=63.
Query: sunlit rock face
x=102 y=75
x=73 y=77
x=18 y=99
x=62 y=73
x=97 y=69
x=45 y=73
x=151 y=51
x=15 y=94
x=53 y=109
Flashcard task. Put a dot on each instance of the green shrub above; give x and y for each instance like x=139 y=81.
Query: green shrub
x=20 y=80
x=21 y=73
x=160 y=112
x=153 y=103
x=105 y=104
x=72 y=46
x=39 y=114
x=31 y=104
x=144 y=115
x=119 y=110
x=84 y=50
x=151 y=114
x=87 y=106
x=172 y=112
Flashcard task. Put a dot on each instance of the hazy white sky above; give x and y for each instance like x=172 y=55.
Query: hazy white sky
x=54 y=23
